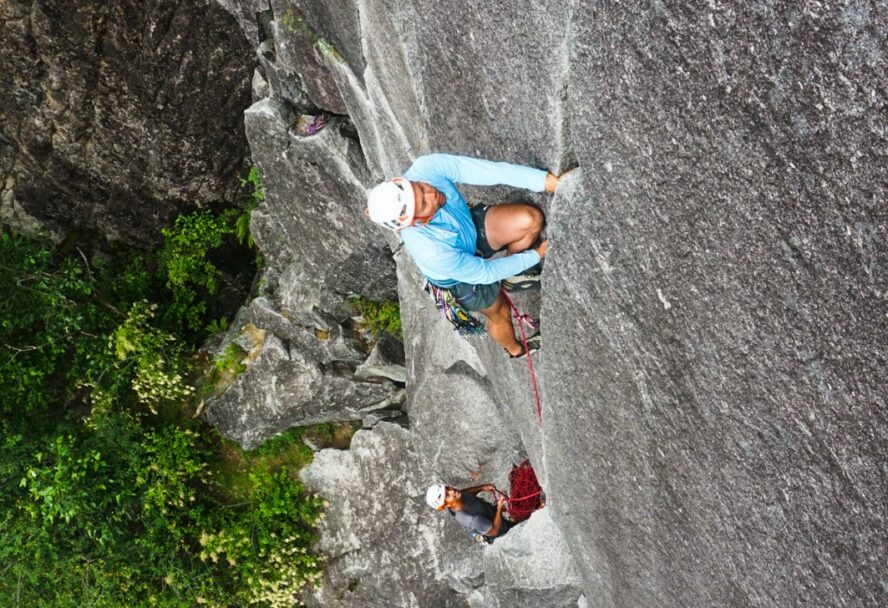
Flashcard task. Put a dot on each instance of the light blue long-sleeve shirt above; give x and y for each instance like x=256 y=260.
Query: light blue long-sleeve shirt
x=444 y=249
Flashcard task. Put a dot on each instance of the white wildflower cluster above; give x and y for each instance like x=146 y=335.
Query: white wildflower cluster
x=222 y=544
x=154 y=385
x=156 y=381
x=289 y=570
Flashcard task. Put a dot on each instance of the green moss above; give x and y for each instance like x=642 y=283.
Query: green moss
x=225 y=368
x=297 y=24
x=288 y=451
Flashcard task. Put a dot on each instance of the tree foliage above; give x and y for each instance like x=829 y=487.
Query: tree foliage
x=109 y=498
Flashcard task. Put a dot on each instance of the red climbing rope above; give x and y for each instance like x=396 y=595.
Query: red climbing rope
x=522 y=320
x=524 y=489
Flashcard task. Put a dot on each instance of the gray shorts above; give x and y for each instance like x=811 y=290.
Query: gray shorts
x=475 y=297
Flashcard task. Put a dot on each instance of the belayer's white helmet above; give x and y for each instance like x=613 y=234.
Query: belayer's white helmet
x=391 y=204
x=435 y=496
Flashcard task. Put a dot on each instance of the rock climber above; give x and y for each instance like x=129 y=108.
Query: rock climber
x=479 y=517
x=452 y=244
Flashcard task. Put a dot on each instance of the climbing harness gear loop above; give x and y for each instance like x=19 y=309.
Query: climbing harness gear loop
x=464 y=323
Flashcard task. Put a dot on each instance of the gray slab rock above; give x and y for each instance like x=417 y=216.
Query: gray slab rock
x=492 y=78
x=283 y=84
x=396 y=131
x=338 y=22
x=259 y=84
x=381 y=552
x=300 y=50
x=295 y=376
x=253 y=16
x=385 y=361
x=294 y=40
x=119 y=115
x=310 y=227
x=465 y=432
x=530 y=566
x=721 y=304
x=333 y=341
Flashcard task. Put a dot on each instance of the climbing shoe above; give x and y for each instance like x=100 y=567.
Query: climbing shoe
x=533 y=345
x=522 y=282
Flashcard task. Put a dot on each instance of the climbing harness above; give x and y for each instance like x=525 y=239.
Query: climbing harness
x=524 y=319
x=464 y=323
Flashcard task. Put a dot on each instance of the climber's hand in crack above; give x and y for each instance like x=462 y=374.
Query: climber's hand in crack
x=553 y=181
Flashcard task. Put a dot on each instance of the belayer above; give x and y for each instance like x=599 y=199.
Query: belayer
x=479 y=517
x=452 y=244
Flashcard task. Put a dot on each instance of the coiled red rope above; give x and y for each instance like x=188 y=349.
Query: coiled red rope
x=524 y=489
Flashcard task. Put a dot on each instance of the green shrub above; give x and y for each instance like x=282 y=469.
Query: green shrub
x=253 y=181
x=379 y=317
x=124 y=518
x=44 y=321
x=155 y=357
x=266 y=545
x=190 y=276
x=107 y=496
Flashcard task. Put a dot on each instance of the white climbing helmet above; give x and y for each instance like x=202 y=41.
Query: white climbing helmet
x=391 y=204
x=435 y=496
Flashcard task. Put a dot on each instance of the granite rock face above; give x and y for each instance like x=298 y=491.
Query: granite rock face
x=713 y=424
x=380 y=551
x=530 y=566
x=385 y=361
x=119 y=115
x=729 y=277
x=316 y=255
x=295 y=376
x=315 y=186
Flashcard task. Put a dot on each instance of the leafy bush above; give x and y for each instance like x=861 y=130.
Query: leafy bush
x=108 y=500
x=155 y=356
x=138 y=518
x=277 y=528
x=50 y=325
x=191 y=276
x=379 y=317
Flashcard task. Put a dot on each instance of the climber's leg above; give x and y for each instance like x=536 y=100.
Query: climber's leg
x=499 y=325
x=513 y=226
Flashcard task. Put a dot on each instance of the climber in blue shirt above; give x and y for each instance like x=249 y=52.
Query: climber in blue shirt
x=452 y=243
